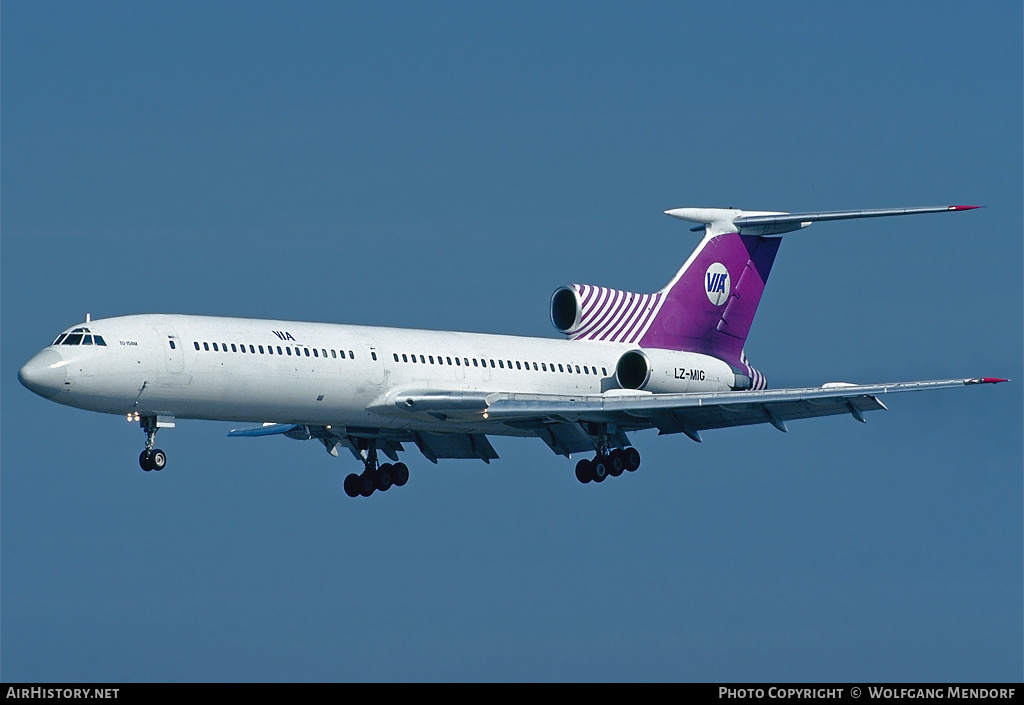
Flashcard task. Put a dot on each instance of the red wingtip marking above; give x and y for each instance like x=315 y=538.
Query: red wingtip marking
x=962 y=208
x=992 y=380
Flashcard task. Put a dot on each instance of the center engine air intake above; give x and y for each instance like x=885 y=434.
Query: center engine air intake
x=566 y=309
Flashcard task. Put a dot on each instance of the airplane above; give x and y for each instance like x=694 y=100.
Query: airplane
x=672 y=360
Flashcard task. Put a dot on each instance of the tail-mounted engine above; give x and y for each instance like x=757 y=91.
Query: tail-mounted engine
x=585 y=312
x=666 y=371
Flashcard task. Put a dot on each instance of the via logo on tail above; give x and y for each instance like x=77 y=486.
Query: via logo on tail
x=716 y=284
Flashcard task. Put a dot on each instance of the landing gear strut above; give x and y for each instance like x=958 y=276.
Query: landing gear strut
x=375 y=477
x=607 y=463
x=151 y=458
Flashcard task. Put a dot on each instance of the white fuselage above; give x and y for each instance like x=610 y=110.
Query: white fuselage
x=235 y=369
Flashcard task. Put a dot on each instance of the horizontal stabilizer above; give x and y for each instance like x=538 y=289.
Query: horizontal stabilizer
x=723 y=220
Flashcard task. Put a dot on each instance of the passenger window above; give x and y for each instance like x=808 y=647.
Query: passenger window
x=270 y=349
x=334 y=354
x=604 y=371
x=396 y=356
x=324 y=352
x=373 y=355
x=206 y=347
x=449 y=360
x=501 y=364
x=241 y=348
x=492 y=363
x=405 y=358
x=509 y=364
x=197 y=345
x=307 y=351
x=253 y=350
x=351 y=355
x=342 y=352
x=423 y=359
x=215 y=348
x=169 y=342
x=475 y=363
x=224 y=347
x=289 y=351
x=456 y=361
x=535 y=367
x=233 y=349
x=518 y=366
x=315 y=353
x=261 y=350
x=560 y=367
x=431 y=358
x=577 y=369
x=279 y=350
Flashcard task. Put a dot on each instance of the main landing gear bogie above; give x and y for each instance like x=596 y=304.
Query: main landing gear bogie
x=380 y=479
x=604 y=464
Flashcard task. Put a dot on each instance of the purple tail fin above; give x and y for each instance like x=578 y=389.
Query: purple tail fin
x=710 y=305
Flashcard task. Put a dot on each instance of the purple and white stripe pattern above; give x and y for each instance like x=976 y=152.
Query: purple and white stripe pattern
x=757 y=380
x=613 y=315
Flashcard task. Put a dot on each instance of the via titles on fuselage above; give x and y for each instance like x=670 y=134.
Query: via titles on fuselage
x=283 y=334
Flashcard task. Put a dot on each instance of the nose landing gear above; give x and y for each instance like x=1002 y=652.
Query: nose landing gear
x=152 y=458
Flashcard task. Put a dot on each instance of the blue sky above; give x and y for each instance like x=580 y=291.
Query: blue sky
x=448 y=166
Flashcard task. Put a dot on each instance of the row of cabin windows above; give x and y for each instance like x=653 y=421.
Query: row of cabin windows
x=501 y=364
x=281 y=350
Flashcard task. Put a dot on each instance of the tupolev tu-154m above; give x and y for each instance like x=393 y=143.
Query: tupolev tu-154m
x=671 y=360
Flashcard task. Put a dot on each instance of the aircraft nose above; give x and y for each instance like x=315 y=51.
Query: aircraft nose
x=44 y=374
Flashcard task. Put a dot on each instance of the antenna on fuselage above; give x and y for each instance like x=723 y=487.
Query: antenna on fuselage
x=88 y=317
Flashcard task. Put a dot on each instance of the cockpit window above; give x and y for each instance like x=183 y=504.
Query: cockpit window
x=79 y=336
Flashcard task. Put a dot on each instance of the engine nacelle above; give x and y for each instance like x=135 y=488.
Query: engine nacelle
x=566 y=309
x=665 y=371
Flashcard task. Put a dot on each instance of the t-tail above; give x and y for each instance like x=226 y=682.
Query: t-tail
x=710 y=304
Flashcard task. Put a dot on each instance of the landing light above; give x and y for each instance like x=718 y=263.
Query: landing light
x=485 y=414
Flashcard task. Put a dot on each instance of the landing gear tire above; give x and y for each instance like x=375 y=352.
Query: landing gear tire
x=367 y=483
x=382 y=479
x=616 y=463
x=632 y=458
x=352 y=485
x=599 y=468
x=144 y=460
x=583 y=471
x=158 y=460
x=400 y=474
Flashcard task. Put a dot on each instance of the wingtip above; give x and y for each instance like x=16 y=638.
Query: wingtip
x=986 y=380
x=962 y=208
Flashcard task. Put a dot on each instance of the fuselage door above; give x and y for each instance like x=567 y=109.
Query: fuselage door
x=174 y=354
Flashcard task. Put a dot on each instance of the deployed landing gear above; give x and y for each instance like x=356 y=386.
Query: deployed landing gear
x=151 y=458
x=375 y=478
x=610 y=463
x=154 y=459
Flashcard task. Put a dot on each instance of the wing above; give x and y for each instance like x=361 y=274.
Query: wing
x=579 y=423
x=573 y=423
